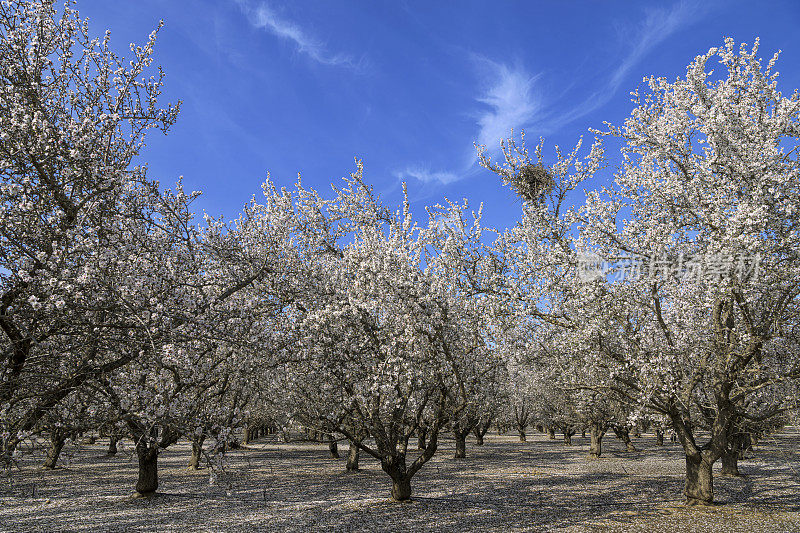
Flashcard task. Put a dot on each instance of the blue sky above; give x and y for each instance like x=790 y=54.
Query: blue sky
x=305 y=87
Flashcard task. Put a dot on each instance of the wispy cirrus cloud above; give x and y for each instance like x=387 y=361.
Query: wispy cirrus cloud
x=426 y=175
x=262 y=16
x=510 y=100
x=658 y=25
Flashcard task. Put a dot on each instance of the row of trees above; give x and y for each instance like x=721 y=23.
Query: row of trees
x=119 y=312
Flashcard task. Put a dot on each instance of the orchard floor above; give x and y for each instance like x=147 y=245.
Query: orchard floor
x=504 y=485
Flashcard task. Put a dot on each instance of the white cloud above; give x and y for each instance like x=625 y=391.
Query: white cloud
x=426 y=175
x=511 y=101
x=659 y=23
x=263 y=17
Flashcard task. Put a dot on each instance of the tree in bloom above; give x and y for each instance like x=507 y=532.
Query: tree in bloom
x=105 y=279
x=708 y=190
x=74 y=115
x=466 y=273
x=211 y=322
x=700 y=232
x=380 y=348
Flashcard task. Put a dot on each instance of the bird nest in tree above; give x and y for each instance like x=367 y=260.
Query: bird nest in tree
x=532 y=183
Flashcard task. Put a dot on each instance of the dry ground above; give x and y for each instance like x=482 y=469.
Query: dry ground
x=504 y=485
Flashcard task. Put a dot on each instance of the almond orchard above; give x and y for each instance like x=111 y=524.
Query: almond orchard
x=662 y=308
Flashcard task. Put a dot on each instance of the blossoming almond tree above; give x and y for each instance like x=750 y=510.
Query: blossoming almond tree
x=214 y=323
x=707 y=191
x=466 y=273
x=710 y=173
x=105 y=278
x=74 y=115
x=378 y=349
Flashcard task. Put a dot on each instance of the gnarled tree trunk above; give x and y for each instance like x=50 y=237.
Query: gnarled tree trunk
x=659 y=437
x=352 y=457
x=147 y=484
x=333 y=447
x=730 y=463
x=596 y=444
x=112 y=445
x=401 y=488
x=699 y=480
x=7 y=446
x=482 y=429
x=395 y=466
x=57 y=439
x=700 y=459
x=149 y=440
x=461 y=444
x=624 y=435
x=197 y=452
x=521 y=417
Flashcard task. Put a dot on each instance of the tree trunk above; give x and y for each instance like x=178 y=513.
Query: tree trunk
x=7 y=446
x=57 y=439
x=112 y=445
x=401 y=489
x=461 y=445
x=421 y=435
x=333 y=447
x=148 y=468
x=659 y=437
x=624 y=435
x=596 y=445
x=197 y=452
x=699 y=480
x=583 y=434
x=551 y=433
x=730 y=463
x=482 y=429
x=395 y=466
x=567 y=438
x=352 y=457
x=404 y=446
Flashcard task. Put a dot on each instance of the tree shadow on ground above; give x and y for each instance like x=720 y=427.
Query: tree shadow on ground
x=537 y=485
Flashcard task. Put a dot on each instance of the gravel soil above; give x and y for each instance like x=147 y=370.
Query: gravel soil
x=504 y=485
